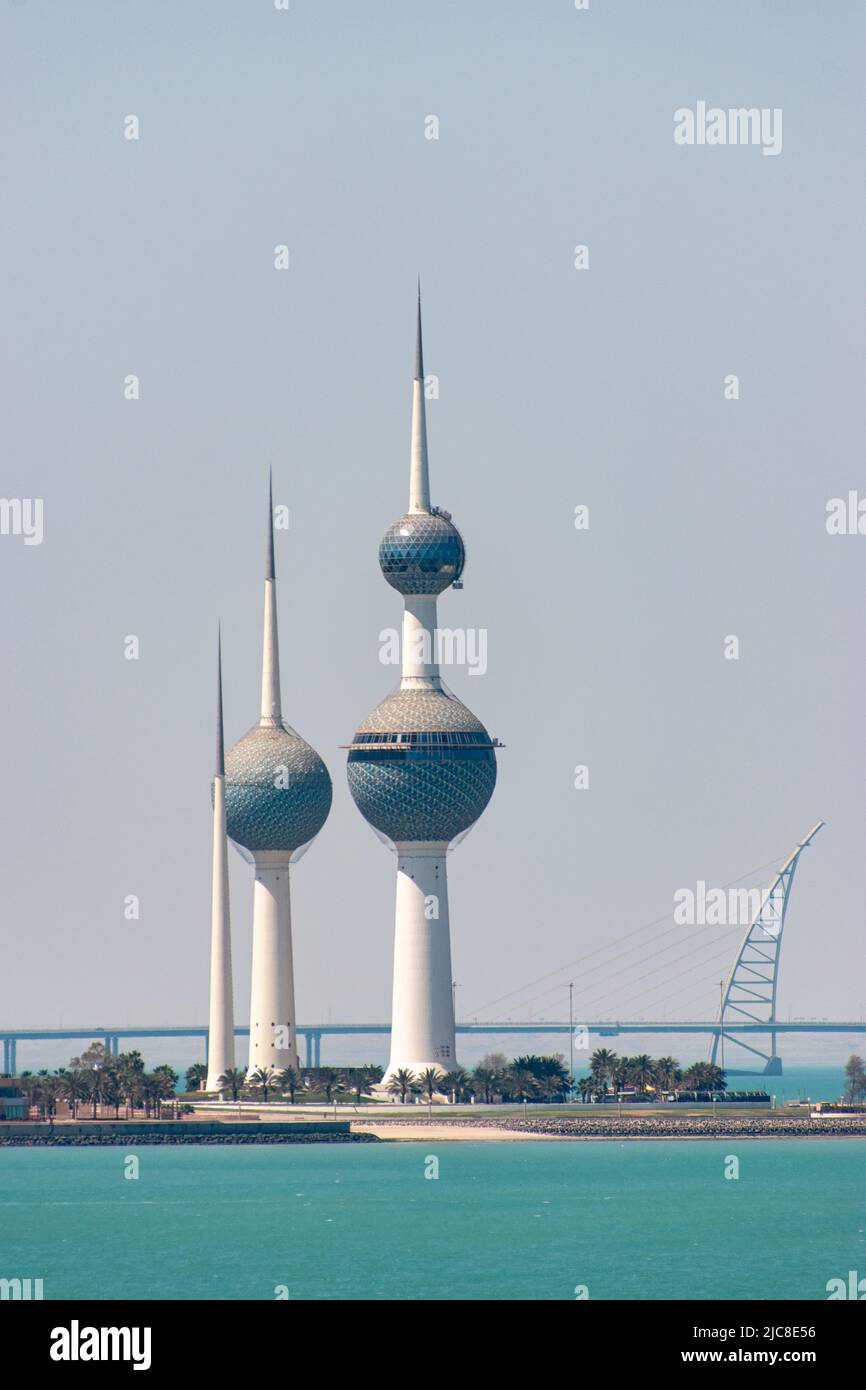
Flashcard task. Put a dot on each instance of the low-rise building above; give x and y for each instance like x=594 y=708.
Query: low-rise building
x=13 y=1103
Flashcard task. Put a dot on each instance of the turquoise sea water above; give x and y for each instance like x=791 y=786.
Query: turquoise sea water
x=636 y=1220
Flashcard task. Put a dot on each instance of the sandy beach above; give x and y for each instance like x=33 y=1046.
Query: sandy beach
x=422 y=1130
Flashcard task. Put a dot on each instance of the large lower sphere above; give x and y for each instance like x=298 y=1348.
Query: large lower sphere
x=421 y=767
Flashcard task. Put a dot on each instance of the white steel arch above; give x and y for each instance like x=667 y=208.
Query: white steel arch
x=749 y=994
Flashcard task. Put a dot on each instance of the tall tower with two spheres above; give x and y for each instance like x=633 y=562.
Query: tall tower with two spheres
x=277 y=798
x=421 y=767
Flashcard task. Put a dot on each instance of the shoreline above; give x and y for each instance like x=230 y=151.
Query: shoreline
x=607 y=1130
x=442 y=1129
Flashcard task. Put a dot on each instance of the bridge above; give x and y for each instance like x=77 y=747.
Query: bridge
x=747 y=1008
x=312 y=1033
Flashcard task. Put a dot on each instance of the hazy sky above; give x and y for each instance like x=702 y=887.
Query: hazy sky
x=558 y=387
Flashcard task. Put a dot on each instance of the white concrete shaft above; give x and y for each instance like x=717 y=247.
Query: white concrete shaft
x=419 y=485
x=419 y=664
x=422 y=1015
x=271 y=706
x=221 y=1036
x=273 y=1035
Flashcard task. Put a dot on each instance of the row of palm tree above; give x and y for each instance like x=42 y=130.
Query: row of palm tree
x=528 y=1078
x=97 y=1078
x=525 y=1078
x=327 y=1081
x=611 y=1073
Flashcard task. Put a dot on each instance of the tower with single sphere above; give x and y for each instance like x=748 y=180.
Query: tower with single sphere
x=278 y=795
x=421 y=767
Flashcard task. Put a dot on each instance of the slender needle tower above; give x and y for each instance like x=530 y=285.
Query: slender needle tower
x=278 y=795
x=221 y=1031
x=421 y=767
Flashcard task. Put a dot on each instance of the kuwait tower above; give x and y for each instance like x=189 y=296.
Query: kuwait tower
x=421 y=767
x=278 y=795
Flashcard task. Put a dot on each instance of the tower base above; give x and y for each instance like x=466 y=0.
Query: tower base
x=422 y=1016
x=273 y=1036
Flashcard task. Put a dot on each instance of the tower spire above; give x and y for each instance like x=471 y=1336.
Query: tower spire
x=220 y=743
x=419 y=350
x=271 y=714
x=269 y=550
x=419 y=484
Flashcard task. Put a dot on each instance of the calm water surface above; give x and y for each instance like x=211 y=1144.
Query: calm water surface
x=636 y=1220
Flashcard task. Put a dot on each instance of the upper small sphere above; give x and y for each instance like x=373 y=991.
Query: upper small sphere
x=278 y=792
x=422 y=553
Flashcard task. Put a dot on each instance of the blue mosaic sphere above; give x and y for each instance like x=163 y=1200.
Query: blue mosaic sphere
x=421 y=767
x=422 y=553
x=278 y=791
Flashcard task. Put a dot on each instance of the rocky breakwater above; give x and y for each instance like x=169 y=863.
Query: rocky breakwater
x=771 y=1126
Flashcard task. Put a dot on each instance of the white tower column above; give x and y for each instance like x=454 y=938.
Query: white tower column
x=273 y=1031
x=420 y=668
x=422 y=1013
x=221 y=1036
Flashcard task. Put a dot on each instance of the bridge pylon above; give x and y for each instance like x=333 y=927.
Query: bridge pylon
x=749 y=994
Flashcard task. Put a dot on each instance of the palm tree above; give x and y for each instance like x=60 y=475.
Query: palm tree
x=289 y=1080
x=586 y=1087
x=130 y=1071
x=704 y=1076
x=112 y=1091
x=552 y=1077
x=430 y=1082
x=196 y=1077
x=74 y=1089
x=264 y=1077
x=151 y=1093
x=132 y=1085
x=642 y=1071
x=666 y=1073
x=602 y=1065
x=234 y=1079
x=50 y=1091
x=331 y=1080
x=131 y=1061
x=363 y=1079
x=455 y=1083
x=402 y=1083
x=620 y=1073
x=165 y=1078
x=487 y=1081
x=855 y=1079
x=521 y=1081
